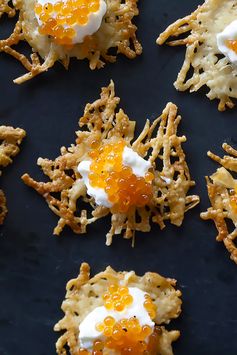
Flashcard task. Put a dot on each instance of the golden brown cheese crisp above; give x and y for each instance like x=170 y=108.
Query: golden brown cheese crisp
x=10 y=139
x=222 y=192
x=116 y=31
x=204 y=64
x=85 y=294
x=158 y=143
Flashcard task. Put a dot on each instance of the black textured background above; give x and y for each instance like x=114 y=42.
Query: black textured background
x=35 y=265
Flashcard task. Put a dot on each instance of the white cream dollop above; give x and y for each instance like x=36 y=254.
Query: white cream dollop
x=229 y=33
x=131 y=159
x=138 y=165
x=92 y=26
x=87 y=329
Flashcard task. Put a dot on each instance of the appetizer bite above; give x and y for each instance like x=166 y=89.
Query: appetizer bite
x=118 y=313
x=222 y=192
x=10 y=140
x=135 y=180
x=210 y=37
x=62 y=29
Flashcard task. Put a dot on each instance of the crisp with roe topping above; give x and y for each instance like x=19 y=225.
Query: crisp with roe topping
x=123 y=187
x=127 y=335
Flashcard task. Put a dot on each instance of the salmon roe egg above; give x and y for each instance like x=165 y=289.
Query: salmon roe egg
x=83 y=352
x=232 y=44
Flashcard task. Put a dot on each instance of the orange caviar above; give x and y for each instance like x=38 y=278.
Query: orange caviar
x=117 y=298
x=127 y=333
x=126 y=336
x=150 y=306
x=130 y=345
x=57 y=18
x=124 y=189
x=232 y=44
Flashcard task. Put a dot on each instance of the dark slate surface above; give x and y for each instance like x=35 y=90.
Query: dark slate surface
x=35 y=265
